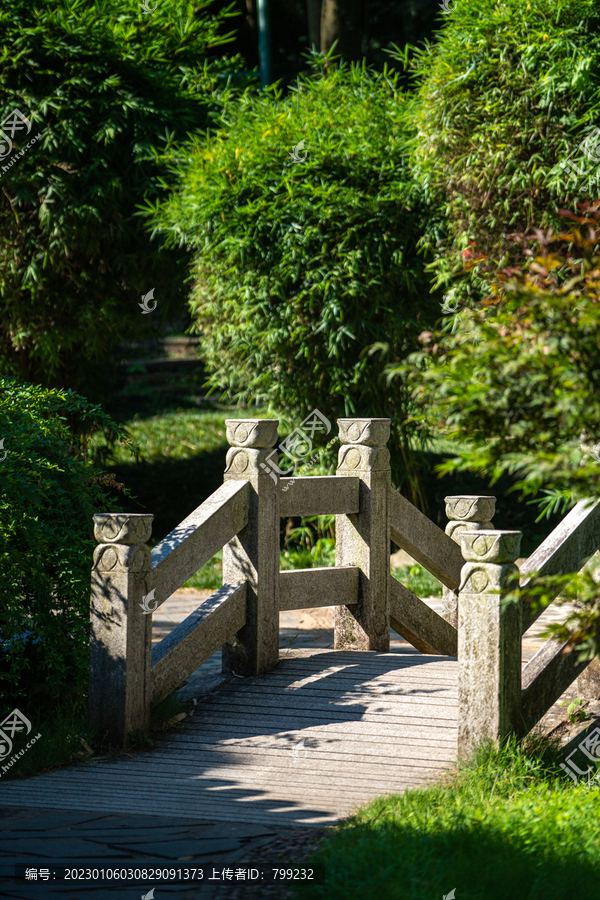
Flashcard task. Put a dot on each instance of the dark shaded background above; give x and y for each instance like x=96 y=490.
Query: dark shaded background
x=386 y=22
x=172 y=488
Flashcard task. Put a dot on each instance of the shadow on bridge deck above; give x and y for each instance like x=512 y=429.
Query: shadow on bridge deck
x=304 y=744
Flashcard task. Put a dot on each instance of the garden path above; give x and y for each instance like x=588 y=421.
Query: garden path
x=297 y=748
x=302 y=744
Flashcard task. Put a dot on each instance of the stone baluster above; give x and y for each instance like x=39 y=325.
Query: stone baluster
x=253 y=556
x=588 y=683
x=489 y=638
x=363 y=539
x=466 y=513
x=121 y=632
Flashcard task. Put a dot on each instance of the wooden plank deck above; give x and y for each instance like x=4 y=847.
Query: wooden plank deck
x=303 y=744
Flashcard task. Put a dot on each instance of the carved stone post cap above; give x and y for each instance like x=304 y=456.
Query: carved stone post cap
x=368 y=432
x=122 y=528
x=490 y=546
x=255 y=433
x=470 y=508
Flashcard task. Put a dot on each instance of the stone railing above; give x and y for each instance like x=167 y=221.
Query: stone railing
x=497 y=696
x=128 y=675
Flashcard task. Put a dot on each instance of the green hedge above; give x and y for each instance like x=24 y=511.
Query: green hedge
x=301 y=267
x=505 y=95
x=108 y=89
x=49 y=491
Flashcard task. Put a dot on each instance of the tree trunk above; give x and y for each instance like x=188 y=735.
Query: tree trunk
x=251 y=15
x=343 y=21
x=313 y=14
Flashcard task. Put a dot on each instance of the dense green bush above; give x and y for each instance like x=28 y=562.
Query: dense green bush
x=504 y=102
x=515 y=385
x=504 y=97
x=108 y=89
x=49 y=491
x=301 y=266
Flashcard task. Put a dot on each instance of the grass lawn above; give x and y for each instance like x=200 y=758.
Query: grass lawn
x=177 y=433
x=509 y=824
x=418 y=580
x=180 y=463
x=181 y=460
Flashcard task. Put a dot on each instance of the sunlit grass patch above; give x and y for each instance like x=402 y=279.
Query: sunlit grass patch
x=418 y=580
x=507 y=824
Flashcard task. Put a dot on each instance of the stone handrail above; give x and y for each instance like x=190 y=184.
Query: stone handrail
x=129 y=583
x=474 y=562
x=318 y=495
x=420 y=625
x=196 y=540
x=196 y=638
x=311 y=588
x=424 y=541
x=544 y=679
x=497 y=696
x=564 y=551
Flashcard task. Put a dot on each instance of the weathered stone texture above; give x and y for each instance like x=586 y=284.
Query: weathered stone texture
x=489 y=639
x=466 y=513
x=253 y=555
x=121 y=634
x=363 y=538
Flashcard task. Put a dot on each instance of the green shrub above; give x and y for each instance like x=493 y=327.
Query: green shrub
x=108 y=89
x=309 y=544
x=505 y=96
x=210 y=576
x=507 y=823
x=418 y=580
x=48 y=493
x=515 y=385
x=300 y=267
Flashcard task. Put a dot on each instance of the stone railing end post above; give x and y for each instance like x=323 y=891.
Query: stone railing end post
x=489 y=638
x=121 y=634
x=465 y=513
